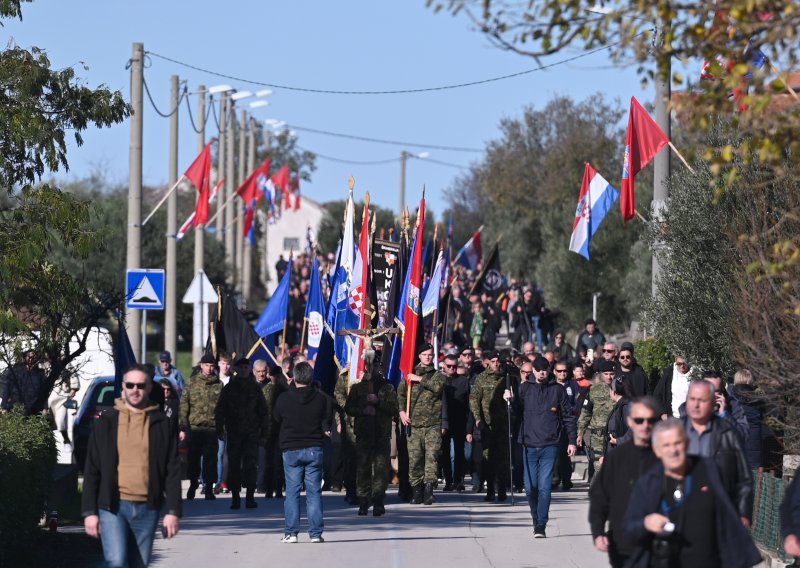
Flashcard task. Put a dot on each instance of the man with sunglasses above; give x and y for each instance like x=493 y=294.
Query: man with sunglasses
x=630 y=372
x=672 y=389
x=455 y=407
x=131 y=471
x=563 y=472
x=612 y=486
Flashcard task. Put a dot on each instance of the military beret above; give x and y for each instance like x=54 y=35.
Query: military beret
x=424 y=347
x=207 y=358
x=603 y=366
x=540 y=364
x=490 y=354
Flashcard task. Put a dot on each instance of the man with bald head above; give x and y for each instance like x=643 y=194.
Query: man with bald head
x=713 y=437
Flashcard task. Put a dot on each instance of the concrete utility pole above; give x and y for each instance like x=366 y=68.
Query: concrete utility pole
x=230 y=187
x=662 y=159
x=247 y=257
x=200 y=230
x=133 y=318
x=242 y=162
x=221 y=150
x=403 y=158
x=170 y=292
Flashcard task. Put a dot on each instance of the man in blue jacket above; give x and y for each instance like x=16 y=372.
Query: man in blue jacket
x=546 y=412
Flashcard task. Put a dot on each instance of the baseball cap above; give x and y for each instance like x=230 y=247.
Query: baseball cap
x=165 y=356
x=540 y=364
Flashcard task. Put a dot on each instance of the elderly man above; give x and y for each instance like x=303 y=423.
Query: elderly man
x=611 y=489
x=679 y=513
x=671 y=390
x=710 y=436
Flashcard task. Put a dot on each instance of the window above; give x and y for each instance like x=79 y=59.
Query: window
x=291 y=243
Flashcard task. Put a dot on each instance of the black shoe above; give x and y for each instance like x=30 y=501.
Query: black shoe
x=363 y=506
x=460 y=488
x=326 y=486
x=447 y=487
x=477 y=488
x=209 y=496
x=519 y=489
x=261 y=490
x=192 y=491
x=236 y=501
x=538 y=532
x=378 y=508
x=217 y=489
x=502 y=495
x=250 y=500
x=404 y=495
x=567 y=485
x=278 y=495
x=489 y=498
x=416 y=498
x=429 y=499
x=336 y=488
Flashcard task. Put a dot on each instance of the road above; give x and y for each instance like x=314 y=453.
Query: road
x=459 y=531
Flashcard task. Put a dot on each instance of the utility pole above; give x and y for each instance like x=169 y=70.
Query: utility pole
x=403 y=158
x=170 y=292
x=133 y=318
x=242 y=162
x=223 y=125
x=230 y=187
x=200 y=230
x=662 y=159
x=247 y=257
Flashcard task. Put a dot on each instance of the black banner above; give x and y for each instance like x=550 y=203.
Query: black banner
x=385 y=262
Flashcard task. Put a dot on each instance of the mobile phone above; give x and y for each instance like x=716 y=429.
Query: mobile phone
x=590 y=353
x=669 y=528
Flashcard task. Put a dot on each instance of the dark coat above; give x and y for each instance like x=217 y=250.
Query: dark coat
x=663 y=391
x=546 y=413
x=753 y=412
x=636 y=377
x=241 y=408
x=23 y=386
x=790 y=510
x=735 y=546
x=100 y=487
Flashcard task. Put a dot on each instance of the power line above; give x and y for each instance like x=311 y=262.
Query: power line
x=153 y=103
x=377 y=162
x=381 y=141
x=381 y=92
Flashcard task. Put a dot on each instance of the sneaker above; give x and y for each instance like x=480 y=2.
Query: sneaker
x=314 y=539
x=538 y=532
x=289 y=538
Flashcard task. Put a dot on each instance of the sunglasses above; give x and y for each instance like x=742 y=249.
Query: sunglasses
x=639 y=420
x=624 y=357
x=467 y=355
x=560 y=370
x=609 y=350
x=132 y=386
x=450 y=366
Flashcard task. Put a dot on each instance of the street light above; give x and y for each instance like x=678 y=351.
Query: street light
x=403 y=157
x=264 y=93
x=259 y=104
x=216 y=89
x=239 y=95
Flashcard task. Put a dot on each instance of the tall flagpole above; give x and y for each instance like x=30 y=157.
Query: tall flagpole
x=200 y=310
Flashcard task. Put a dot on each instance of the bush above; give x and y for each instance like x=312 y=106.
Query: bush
x=27 y=462
x=652 y=354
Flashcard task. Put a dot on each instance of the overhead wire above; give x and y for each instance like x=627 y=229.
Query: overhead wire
x=155 y=107
x=191 y=116
x=382 y=141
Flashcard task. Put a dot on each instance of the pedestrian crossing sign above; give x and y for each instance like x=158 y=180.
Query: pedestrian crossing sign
x=144 y=289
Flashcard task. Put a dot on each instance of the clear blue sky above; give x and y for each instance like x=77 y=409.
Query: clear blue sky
x=344 y=45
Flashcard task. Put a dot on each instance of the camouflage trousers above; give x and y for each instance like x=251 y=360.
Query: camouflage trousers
x=424 y=447
x=594 y=450
x=372 y=467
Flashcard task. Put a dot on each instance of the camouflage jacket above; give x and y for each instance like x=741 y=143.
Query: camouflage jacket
x=597 y=407
x=340 y=393
x=379 y=425
x=242 y=408
x=199 y=402
x=426 y=397
x=486 y=398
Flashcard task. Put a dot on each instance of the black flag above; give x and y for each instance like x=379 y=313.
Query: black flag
x=491 y=279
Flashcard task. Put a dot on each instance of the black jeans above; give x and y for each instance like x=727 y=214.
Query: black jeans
x=242 y=458
x=203 y=443
x=453 y=463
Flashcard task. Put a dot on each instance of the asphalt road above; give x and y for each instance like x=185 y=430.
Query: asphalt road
x=460 y=530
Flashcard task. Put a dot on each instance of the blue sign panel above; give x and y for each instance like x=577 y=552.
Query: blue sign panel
x=145 y=289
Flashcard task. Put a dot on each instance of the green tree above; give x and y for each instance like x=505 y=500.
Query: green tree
x=42 y=303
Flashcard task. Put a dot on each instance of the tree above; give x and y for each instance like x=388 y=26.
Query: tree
x=728 y=34
x=42 y=303
x=329 y=232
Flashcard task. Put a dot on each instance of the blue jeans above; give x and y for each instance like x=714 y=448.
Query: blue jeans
x=537 y=332
x=133 y=523
x=298 y=466
x=539 y=463
x=221 y=457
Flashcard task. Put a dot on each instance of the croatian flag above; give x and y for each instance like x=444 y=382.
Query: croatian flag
x=470 y=254
x=596 y=200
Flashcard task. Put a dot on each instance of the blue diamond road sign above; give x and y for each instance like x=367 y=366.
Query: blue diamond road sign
x=145 y=289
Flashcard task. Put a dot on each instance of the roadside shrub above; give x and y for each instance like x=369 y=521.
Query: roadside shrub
x=27 y=462
x=652 y=354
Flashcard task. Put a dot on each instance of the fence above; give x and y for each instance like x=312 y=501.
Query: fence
x=766 y=527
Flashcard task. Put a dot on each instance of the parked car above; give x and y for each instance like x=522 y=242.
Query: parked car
x=99 y=397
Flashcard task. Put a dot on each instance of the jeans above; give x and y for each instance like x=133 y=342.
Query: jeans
x=303 y=465
x=132 y=524
x=539 y=463
x=537 y=332
x=222 y=458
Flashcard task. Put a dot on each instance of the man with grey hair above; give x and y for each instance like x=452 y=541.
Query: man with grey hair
x=679 y=513
x=710 y=436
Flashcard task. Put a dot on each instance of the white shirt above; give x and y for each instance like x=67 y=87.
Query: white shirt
x=680 y=389
x=228 y=378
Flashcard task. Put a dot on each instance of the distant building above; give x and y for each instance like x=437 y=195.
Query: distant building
x=289 y=234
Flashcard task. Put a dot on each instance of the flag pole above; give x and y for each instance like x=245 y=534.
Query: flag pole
x=685 y=163
x=163 y=199
x=780 y=75
x=303 y=334
x=271 y=356
x=221 y=208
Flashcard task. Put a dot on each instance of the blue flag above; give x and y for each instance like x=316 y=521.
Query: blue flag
x=314 y=310
x=123 y=357
x=395 y=375
x=273 y=318
x=430 y=302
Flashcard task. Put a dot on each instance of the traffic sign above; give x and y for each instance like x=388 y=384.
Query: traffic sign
x=200 y=291
x=144 y=289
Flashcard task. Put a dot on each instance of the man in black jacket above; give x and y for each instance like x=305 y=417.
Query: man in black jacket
x=611 y=487
x=455 y=409
x=629 y=370
x=132 y=470
x=23 y=385
x=545 y=412
x=304 y=414
x=710 y=436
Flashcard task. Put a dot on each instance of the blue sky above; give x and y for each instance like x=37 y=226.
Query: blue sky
x=344 y=45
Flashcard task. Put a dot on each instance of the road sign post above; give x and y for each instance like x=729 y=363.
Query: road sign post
x=200 y=293
x=144 y=290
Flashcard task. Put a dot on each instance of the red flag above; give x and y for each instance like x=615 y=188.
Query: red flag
x=281 y=180
x=294 y=187
x=199 y=173
x=248 y=220
x=363 y=249
x=412 y=302
x=643 y=142
x=250 y=191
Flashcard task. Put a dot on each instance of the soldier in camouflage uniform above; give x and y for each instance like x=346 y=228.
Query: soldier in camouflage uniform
x=344 y=424
x=241 y=413
x=491 y=416
x=597 y=407
x=197 y=421
x=372 y=403
x=425 y=419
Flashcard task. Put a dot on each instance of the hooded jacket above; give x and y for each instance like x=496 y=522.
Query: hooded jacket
x=304 y=415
